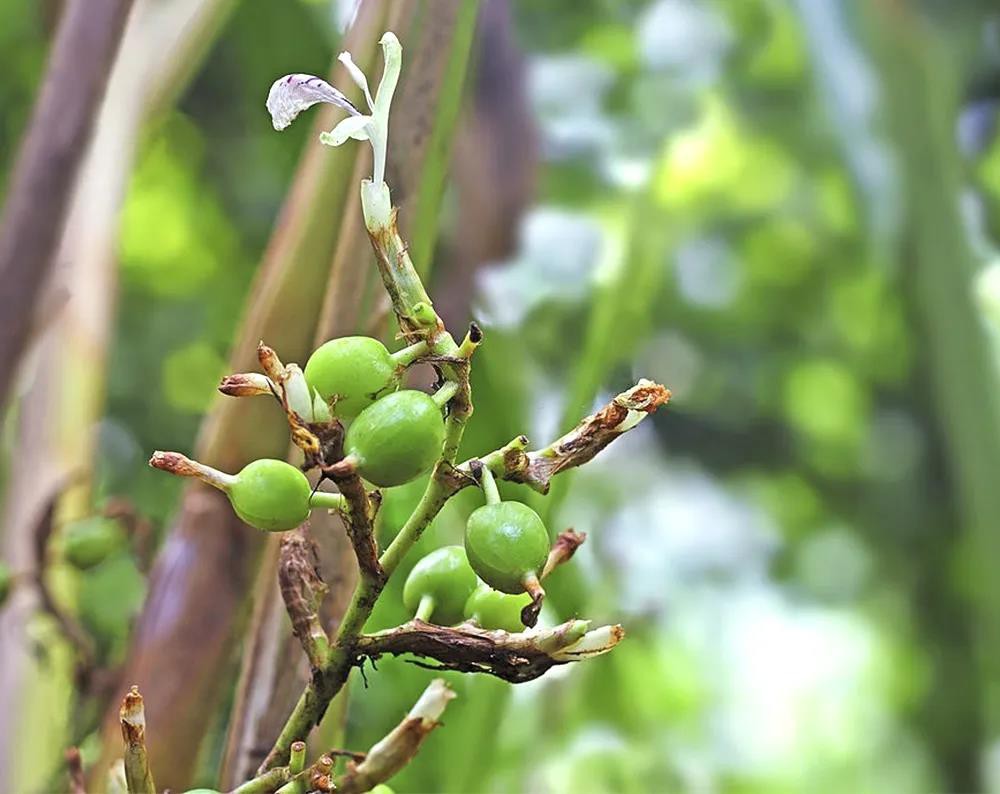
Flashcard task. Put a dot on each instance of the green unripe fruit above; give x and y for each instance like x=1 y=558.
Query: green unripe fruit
x=6 y=582
x=89 y=542
x=271 y=495
x=202 y=791
x=439 y=585
x=492 y=609
x=396 y=438
x=351 y=373
x=381 y=788
x=505 y=543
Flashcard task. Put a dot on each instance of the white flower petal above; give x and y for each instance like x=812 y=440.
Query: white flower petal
x=357 y=76
x=293 y=93
x=352 y=127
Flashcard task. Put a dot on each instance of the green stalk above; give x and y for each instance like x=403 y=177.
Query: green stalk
x=489 y=485
x=406 y=356
x=425 y=609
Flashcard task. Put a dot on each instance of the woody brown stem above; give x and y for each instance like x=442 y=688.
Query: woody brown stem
x=514 y=657
x=302 y=590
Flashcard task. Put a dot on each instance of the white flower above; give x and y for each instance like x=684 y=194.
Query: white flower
x=294 y=93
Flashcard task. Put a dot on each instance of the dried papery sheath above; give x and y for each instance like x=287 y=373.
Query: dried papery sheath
x=593 y=643
x=247 y=384
x=293 y=93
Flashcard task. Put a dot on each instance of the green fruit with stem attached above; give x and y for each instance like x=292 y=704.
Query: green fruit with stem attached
x=396 y=438
x=352 y=372
x=507 y=544
x=6 y=582
x=439 y=586
x=89 y=542
x=492 y=609
x=271 y=495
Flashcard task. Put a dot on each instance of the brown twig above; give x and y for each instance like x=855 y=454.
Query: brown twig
x=579 y=445
x=132 y=716
x=302 y=589
x=54 y=145
x=513 y=657
x=359 y=522
x=396 y=750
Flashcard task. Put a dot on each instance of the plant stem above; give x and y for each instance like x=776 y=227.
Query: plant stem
x=327 y=500
x=297 y=759
x=443 y=395
x=425 y=608
x=406 y=356
x=266 y=783
x=489 y=485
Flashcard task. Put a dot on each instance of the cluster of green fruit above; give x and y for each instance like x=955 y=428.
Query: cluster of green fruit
x=494 y=579
x=393 y=435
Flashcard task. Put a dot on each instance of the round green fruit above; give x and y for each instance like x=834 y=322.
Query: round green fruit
x=381 y=788
x=505 y=543
x=89 y=542
x=351 y=373
x=396 y=438
x=202 y=791
x=439 y=586
x=492 y=609
x=271 y=495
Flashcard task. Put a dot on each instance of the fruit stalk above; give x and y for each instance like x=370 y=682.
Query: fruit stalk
x=443 y=395
x=489 y=484
x=426 y=609
x=325 y=500
x=406 y=356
